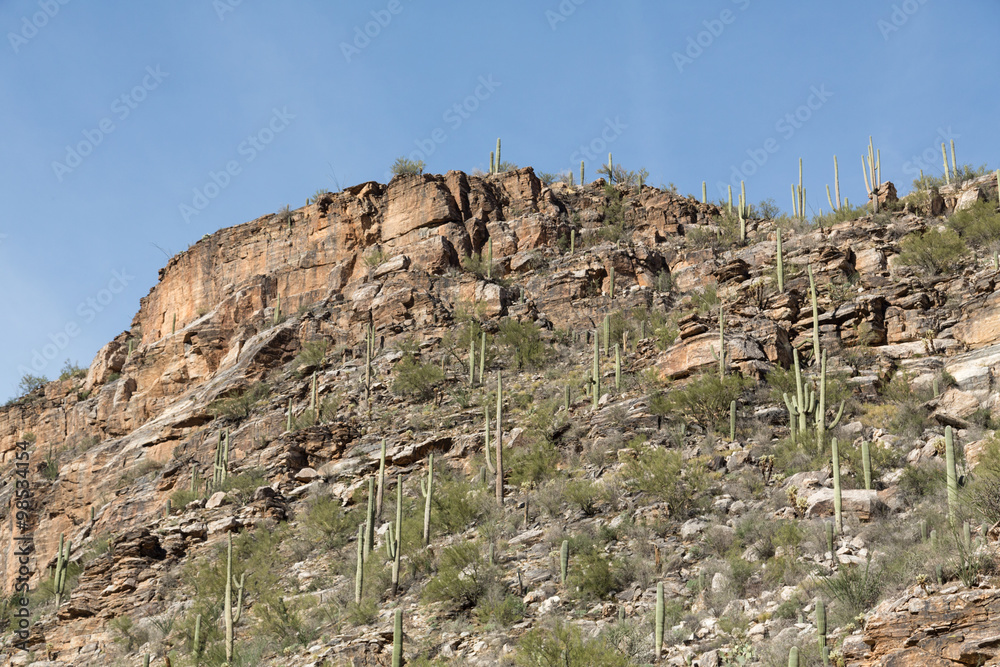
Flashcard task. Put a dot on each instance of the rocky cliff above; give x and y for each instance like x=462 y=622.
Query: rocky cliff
x=281 y=306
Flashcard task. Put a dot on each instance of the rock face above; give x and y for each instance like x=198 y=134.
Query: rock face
x=235 y=313
x=947 y=629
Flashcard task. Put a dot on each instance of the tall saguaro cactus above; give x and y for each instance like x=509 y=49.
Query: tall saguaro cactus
x=837 y=502
x=499 y=442
x=232 y=617
x=949 y=448
x=780 y=263
x=397 y=638
x=866 y=463
x=427 y=491
x=394 y=540
x=658 y=630
x=815 y=312
x=380 y=492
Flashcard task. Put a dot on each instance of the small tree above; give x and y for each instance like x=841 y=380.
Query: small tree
x=30 y=383
x=934 y=251
x=404 y=165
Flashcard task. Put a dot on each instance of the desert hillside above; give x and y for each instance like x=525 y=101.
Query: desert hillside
x=549 y=423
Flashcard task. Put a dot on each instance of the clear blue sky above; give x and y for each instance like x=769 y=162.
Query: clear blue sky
x=115 y=113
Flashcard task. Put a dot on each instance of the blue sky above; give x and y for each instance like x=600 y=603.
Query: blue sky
x=131 y=129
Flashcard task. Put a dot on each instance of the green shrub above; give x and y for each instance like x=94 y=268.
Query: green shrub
x=72 y=371
x=933 y=251
x=239 y=406
x=979 y=225
x=327 y=523
x=240 y=488
x=311 y=354
x=855 y=587
x=404 y=165
x=532 y=464
x=463 y=576
x=30 y=383
x=414 y=378
x=963 y=173
x=560 y=645
x=844 y=214
x=523 y=342
x=663 y=473
x=704 y=400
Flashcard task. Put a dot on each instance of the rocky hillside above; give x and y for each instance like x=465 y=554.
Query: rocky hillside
x=251 y=398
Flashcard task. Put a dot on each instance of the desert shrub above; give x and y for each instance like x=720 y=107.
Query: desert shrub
x=414 y=378
x=181 y=497
x=663 y=473
x=565 y=644
x=933 y=250
x=963 y=172
x=591 y=575
x=523 y=342
x=240 y=488
x=455 y=504
x=72 y=371
x=311 y=354
x=704 y=400
x=857 y=588
x=404 y=165
x=983 y=493
x=585 y=495
x=498 y=607
x=532 y=464
x=978 y=225
x=239 y=406
x=463 y=577
x=478 y=264
x=843 y=214
x=327 y=523
x=30 y=383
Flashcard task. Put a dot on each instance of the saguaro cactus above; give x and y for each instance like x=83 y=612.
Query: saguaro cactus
x=499 y=442
x=221 y=467
x=721 y=356
x=732 y=420
x=658 y=636
x=821 y=622
x=397 y=638
x=781 y=264
x=370 y=518
x=837 y=503
x=866 y=463
x=582 y=182
x=815 y=311
x=821 y=426
x=949 y=449
x=498 y=155
x=196 y=645
x=596 y=377
x=62 y=560
x=394 y=541
x=618 y=367
x=359 y=572
x=380 y=493
x=563 y=561
x=793 y=657
x=232 y=617
x=427 y=491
